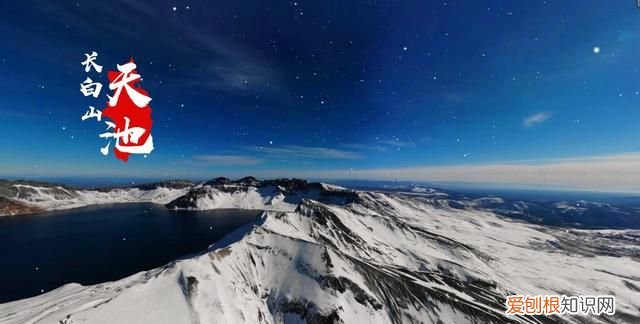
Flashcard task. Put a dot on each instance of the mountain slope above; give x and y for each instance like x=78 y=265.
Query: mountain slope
x=250 y=193
x=39 y=196
x=12 y=207
x=373 y=258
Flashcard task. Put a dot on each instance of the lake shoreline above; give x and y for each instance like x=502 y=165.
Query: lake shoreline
x=105 y=242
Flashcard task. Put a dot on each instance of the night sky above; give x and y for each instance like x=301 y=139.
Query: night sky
x=542 y=93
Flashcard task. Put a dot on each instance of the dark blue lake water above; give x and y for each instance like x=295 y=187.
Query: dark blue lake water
x=102 y=243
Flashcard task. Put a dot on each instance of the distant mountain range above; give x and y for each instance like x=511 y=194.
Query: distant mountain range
x=28 y=196
x=597 y=213
x=21 y=197
x=24 y=197
x=325 y=254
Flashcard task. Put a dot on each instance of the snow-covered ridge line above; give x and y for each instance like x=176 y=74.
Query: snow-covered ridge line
x=39 y=196
x=246 y=193
x=249 y=193
x=376 y=258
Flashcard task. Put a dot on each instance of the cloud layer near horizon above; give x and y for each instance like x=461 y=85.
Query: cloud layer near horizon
x=606 y=173
x=619 y=173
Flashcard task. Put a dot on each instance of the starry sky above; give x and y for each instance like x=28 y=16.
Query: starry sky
x=528 y=93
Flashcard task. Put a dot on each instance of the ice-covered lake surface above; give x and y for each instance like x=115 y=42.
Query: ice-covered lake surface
x=102 y=243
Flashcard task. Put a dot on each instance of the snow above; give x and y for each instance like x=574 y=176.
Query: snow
x=382 y=258
x=327 y=186
x=252 y=198
x=56 y=198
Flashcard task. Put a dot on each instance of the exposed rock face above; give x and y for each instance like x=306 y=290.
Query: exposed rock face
x=25 y=190
x=250 y=193
x=10 y=207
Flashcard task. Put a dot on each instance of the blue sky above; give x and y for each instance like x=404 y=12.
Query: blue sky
x=330 y=89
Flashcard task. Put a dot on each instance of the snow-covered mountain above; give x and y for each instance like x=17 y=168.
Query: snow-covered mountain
x=20 y=197
x=250 y=193
x=340 y=256
x=607 y=212
x=39 y=196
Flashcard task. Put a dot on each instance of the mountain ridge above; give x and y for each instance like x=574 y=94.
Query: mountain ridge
x=25 y=196
x=379 y=258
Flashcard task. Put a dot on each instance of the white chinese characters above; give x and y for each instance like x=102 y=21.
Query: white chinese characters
x=91 y=62
x=92 y=113
x=132 y=134
x=130 y=121
x=122 y=81
x=90 y=88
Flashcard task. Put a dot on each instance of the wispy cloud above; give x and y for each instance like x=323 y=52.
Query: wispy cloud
x=234 y=69
x=397 y=143
x=303 y=152
x=215 y=61
x=380 y=145
x=255 y=155
x=597 y=173
x=365 y=147
x=535 y=119
x=210 y=159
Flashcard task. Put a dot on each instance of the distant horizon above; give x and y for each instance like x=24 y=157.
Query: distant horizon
x=488 y=188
